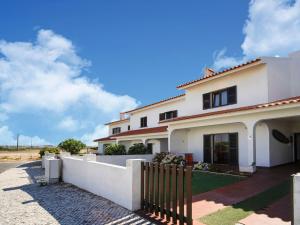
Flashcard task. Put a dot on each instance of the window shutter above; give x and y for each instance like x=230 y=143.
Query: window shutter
x=207 y=148
x=162 y=116
x=233 y=147
x=232 y=96
x=206 y=101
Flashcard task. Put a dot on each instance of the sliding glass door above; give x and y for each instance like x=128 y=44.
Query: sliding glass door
x=221 y=148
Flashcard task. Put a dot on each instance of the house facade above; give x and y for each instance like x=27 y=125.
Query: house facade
x=247 y=116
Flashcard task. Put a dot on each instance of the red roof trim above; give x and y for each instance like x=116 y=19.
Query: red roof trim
x=105 y=139
x=165 y=100
x=117 y=121
x=135 y=132
x=259 y=106
x=218 y=73
x=143 y=131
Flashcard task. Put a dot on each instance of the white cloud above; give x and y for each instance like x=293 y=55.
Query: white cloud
x=99 y=131
x=272 y=29
x=69 y=124
x=49 y=77
x=7 y=137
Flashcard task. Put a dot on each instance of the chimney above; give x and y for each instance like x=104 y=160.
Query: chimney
x=208 y=72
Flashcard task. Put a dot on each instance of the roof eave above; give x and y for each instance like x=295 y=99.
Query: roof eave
x=255 y=62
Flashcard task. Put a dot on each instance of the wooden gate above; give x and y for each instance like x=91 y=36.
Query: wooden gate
x=166 y=190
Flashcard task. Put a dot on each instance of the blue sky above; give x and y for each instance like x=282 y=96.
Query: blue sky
x=67 y=67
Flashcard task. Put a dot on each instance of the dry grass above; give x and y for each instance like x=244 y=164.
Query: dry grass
x=22 y=155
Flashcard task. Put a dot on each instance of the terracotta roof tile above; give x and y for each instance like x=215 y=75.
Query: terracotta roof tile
x=252 y=107
x=218 y=73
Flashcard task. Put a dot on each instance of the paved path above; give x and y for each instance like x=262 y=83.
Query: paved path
x=7 y=165
x=212 y=201
x=23 y=201
x=278 y=213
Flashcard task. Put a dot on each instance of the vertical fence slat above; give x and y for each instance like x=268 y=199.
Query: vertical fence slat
x=188 y=184
x=151 y=187
x=147 y=185
x=161 y=190
x=181 y=195
x=142 y=185
x=164 y=189
x=174 y=193
x=156 y=190
x=168 y=213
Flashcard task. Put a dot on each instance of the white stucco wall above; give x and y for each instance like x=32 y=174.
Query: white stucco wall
x=251 y=89
x=116 y=183
x=279 y=78
x=280 y=153
x=123 y=125
x=262 y=145
x=296 y=199
x=120 y=160
x=295 y=73
x=152 y=114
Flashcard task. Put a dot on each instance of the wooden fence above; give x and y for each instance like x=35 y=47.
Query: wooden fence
x=166 y=190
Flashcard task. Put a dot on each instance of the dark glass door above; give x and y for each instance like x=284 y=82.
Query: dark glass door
x=221 y=149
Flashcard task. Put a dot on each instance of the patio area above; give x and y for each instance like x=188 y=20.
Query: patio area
x=254 y=197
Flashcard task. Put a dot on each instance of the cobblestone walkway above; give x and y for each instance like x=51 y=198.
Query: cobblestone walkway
x=23 y=201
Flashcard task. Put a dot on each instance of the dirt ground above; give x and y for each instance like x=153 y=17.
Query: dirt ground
x=22 y=156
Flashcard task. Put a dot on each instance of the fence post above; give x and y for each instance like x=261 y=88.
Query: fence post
x=161 y=190
x=181 y=195
x=142 y=185
x=156 y=190
x=168 y=213
x=174 y=193
x=188 y=180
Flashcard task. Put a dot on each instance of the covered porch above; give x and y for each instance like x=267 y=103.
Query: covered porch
x=263 y=136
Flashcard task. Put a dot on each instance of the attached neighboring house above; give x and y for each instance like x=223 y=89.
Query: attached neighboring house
x=247 y=116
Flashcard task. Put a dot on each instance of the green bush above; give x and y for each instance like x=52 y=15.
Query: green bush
x=138 y=149
x=115 y=149
x=50 y=150
x=71 y=145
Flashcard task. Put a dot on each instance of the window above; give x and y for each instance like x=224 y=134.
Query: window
x=219 y=98
x=144 y=121
x=221 y=148
x=116 y=130
x=128 y=128
x=168 y=115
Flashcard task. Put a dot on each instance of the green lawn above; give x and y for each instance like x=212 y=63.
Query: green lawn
x=232 y=214
x=203 y=182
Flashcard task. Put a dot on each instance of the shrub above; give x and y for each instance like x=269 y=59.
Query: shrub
x=202 y=166
x=138 y=149
x=71 y=145
x=115 y=149
x=159 y=157
x=50 y=150
x=167 y=158
x=173 y=159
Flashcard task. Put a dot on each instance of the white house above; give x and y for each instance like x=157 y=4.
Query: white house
x=247 y=115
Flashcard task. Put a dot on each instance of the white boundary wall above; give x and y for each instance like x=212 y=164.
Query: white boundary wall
x=296 y=199
x=120 y=160
x=117 y=183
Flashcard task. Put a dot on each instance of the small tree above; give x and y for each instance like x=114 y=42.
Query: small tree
x=71 y=145
x=115 y=149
